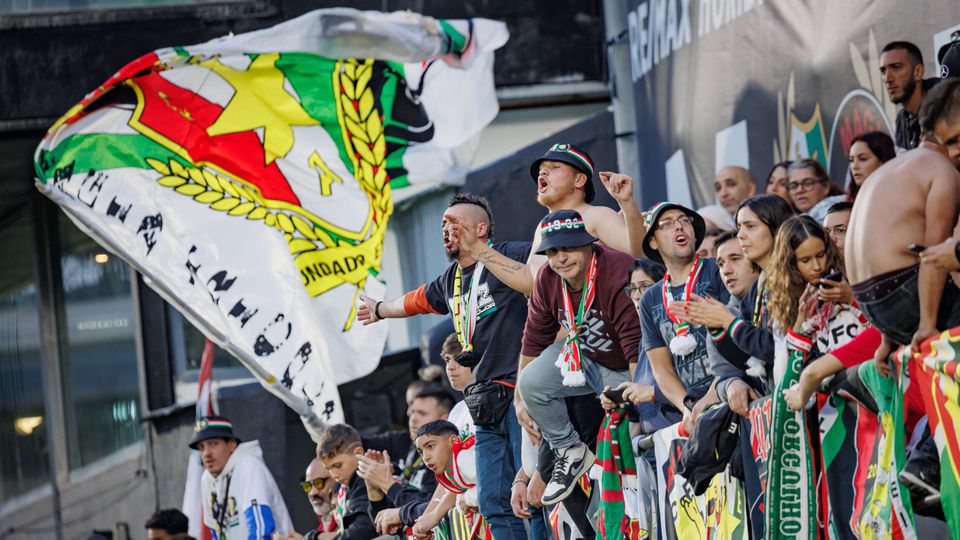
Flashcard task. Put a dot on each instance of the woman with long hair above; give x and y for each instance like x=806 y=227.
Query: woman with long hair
x=868 y=151
x=745 y=341
x=804 y=256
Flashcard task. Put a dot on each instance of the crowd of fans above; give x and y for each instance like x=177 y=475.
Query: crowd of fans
x=660 y=315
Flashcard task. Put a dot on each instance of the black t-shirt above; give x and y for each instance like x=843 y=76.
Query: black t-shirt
x=502 y=314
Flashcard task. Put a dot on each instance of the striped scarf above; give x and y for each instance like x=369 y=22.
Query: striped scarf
x=615 y=457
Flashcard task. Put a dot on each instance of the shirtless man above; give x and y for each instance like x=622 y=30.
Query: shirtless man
x=900 y=297
x=947 y=132
x=564 y=177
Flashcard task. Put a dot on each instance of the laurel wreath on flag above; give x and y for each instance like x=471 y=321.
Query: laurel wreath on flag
x=361 y=124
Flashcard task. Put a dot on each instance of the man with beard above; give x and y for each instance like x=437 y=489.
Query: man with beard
x=318 y=484
x=901 y=66
x=488 y=317
x=912 y=199
x=676 y=349
x=564 y=177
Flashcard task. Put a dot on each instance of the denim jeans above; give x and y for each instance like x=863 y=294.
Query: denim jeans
x=897 y=314
x=498 y=458
x=541 y=387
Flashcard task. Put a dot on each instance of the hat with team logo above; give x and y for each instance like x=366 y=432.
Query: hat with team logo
x=562 y=229
x=212 y=427
x=572 y=156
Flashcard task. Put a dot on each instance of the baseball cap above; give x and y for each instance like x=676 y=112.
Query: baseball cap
x=563 y=228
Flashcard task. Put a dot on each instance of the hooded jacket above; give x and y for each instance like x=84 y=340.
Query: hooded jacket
x=243 y=501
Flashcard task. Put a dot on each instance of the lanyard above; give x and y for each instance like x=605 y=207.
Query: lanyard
x=465 y=320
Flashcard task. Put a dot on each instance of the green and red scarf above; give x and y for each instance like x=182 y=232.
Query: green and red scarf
x=615 y=457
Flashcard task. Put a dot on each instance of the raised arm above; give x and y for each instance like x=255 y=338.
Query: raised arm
x=621 y=232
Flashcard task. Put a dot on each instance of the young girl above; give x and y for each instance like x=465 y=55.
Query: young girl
x=804 y=256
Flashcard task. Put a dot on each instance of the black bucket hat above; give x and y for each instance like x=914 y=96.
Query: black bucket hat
x=563 y=228
x=212 y=427
x=572 y=156
x=653 y=217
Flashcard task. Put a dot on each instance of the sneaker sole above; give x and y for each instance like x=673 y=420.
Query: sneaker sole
x=910 y=478
x=588 y=460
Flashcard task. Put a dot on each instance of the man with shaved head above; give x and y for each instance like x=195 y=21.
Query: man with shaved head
x=733 y=185
x=489 y=317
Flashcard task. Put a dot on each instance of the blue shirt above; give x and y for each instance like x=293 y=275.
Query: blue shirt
x=658 y=329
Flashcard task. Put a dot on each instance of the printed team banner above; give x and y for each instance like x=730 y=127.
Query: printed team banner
x=791 y=496
x=250 y=179
x=939 y=381
x=804 y=85
x=888 y=512
x=720 y=513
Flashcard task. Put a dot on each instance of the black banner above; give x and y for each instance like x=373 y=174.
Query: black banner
x=752 y=82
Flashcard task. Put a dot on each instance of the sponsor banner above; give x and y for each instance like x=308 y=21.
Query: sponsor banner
x=805 y=82
x=251 y=179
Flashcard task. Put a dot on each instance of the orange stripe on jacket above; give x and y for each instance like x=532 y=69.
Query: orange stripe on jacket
x=415 y=302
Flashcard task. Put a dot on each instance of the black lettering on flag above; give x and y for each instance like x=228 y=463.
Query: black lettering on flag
x=90 y=187
x=238 y=310
x=118 y=211
x=287 y=380
x=304 y=352
x=192 y=268
x=328 y=409
x=149 y=227
x=62 y=174
x=219 y=282
x=263 y=346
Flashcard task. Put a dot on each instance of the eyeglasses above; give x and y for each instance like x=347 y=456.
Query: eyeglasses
x=316 y=482
x=669 y=223
x=807 y=183
x=641 y=288
x=839 y=230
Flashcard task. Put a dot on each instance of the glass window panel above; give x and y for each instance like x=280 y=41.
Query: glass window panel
x=103 y=396
x=193 y=342
x=23 y=438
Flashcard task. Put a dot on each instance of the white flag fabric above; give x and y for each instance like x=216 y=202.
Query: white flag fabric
x=250 y=179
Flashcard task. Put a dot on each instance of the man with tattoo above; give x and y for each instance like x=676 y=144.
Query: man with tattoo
x=489 y=318
x=564 y=177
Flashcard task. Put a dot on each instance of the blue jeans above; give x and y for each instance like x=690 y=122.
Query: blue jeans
x=498 y=458
x=542 y=390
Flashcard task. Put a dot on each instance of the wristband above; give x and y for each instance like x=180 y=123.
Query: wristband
x=376 y=310
x=518 y=481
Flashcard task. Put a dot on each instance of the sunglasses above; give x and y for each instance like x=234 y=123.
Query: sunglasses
x=316 y=482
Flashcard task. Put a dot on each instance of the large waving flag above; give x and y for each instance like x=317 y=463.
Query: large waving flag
x=250 y=179
x=939 y=379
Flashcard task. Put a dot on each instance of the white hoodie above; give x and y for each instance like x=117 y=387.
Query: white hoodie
x=254 y=506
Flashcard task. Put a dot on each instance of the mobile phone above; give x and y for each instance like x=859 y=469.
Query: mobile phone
x=615 y=395
x=916 y=248
x=833 y=276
